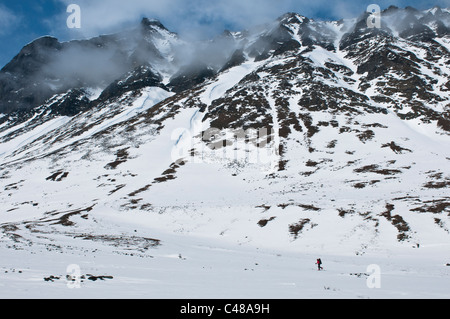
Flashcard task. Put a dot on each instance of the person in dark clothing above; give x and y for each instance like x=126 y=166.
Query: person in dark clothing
x=319 y=264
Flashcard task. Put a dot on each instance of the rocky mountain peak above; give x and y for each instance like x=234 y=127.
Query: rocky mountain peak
x=148 y=23
x=292 y=18
x=32 y=56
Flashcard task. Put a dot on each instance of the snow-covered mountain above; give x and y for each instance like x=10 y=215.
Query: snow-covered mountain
x=299 y=136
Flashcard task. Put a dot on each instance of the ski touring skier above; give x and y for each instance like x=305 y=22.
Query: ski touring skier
x=319 y=264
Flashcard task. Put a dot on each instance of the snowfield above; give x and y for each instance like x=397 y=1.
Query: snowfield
x=191 y=267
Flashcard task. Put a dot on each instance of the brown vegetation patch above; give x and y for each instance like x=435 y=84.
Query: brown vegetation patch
x=332 y=144
x=309 y=207
x=140 y=190
x=304 y=206
x=264 y=222
x=435 y=184
x=434 y=206
x=343 y=212
x=437 y=180
x=296 y=229
x=141 y=244
x=64 y=220
x=366 y=136
x=121 y=157
x=311 y=163
x=265 y=207
x=376 y=169
x=118 y=187
x=57 y=176
x=397 y=221
x=396 y=148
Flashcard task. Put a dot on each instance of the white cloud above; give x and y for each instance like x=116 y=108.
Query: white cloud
x=199 y=16
x=7 y=20
x=206 y=17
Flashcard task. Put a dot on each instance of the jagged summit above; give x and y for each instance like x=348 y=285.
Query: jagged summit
x=152 y=22
x=154 y=25
x=292 y=17
x=46 y=67
x=36 y=49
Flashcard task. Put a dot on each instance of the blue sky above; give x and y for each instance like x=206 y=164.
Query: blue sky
x=22 y=21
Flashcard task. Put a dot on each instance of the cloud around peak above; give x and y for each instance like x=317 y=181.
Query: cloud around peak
x=188 y=18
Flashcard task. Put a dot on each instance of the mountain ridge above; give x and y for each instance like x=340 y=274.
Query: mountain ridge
x=295 y=131
x=150 y=31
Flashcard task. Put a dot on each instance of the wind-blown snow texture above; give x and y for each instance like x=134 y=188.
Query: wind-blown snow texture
x=141 y=177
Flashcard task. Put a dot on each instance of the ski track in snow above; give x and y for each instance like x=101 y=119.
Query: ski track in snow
x=227 y=80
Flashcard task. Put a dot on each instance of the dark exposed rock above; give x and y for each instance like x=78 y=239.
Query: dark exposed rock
x=190 y=77
x=73 y=102
x=236 y=59
x=138 y=79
